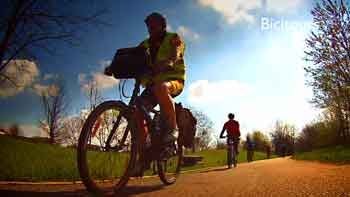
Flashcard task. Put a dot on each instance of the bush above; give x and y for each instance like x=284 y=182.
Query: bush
x=220 y=145
x=317 y=135
x=261 y=141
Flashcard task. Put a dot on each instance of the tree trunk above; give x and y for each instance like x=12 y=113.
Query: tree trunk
x=52 y=136
x=347 y=121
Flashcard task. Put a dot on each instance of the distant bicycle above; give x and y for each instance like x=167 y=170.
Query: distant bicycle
x=250 y=155
x=232 y=153
x=249 y=144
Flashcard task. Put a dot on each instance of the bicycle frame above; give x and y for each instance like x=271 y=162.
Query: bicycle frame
x=231 y=151
x=132 y=105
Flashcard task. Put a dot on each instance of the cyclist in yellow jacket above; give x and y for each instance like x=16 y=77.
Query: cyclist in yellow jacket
x=167 y=76
x=163 y=83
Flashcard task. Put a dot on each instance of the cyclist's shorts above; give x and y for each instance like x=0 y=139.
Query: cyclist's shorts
x=234 y=140
x=175 y=89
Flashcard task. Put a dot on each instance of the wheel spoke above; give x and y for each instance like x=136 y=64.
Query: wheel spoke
x=115 y=127
x=105 y=127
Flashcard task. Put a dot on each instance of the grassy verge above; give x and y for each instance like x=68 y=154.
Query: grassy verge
x=212 y=158
x=26 y=161
x=338 y=154
x=22 y=160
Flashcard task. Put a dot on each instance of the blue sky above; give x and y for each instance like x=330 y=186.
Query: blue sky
x=239 y=59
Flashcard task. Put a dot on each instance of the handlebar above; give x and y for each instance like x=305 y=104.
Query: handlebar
x=108 y=71
x=222 y=137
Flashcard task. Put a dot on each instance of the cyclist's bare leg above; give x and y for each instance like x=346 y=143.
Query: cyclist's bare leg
x=143 y=132
x=166 y=103
x=167 y=107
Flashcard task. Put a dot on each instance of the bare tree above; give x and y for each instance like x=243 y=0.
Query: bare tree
x=204 y=130
x=93 y=93
x=283 y=138
x=14 y=130
x=55 y=104
x=71 y=130
x=30 y=25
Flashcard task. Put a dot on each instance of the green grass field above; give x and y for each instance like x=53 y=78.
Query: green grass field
x=25 y=161
x=338 y=154
x=212 y=158
x=22 y=160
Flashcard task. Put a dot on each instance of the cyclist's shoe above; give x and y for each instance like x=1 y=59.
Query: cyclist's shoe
x=171 y=137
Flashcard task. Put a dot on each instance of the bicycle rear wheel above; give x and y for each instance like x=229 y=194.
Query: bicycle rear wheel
x=169 y=170
x=234 y=158
x=106 y=149
x=229 y=156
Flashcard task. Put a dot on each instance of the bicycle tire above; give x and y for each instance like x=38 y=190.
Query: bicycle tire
x=249 y=155
x=85 y=137
x=234 y=158
x=169 y=178
x=229 y=155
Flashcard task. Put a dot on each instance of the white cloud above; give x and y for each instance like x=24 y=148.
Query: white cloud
x=22 y=73
x=169 y=27
x=51 y=90
x=187 y=33
x=282 y=6
x=29 y=130
x=26 y=130
x=203 y=91
x=233 y=11
x=103 y=81
x=105 y=63
x=98 y=79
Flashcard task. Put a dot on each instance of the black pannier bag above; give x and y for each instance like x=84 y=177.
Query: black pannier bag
x=130 y=63
x=187 y=125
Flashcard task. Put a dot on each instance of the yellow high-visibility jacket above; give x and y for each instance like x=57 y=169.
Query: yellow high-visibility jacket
x=170 y=55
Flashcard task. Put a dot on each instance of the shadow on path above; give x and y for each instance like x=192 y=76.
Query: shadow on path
x=127 y=191
x=216 y=170
x=6 y=193
x=132 y=190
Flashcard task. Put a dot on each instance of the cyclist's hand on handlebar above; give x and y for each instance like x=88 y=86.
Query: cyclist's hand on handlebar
x=108 y=71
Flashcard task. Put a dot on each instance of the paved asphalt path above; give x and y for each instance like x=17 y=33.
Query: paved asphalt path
x=275 y=177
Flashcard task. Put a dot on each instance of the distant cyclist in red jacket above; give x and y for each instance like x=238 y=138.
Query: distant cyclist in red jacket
x=232 y=129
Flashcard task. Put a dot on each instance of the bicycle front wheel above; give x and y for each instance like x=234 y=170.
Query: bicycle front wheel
x=106 y=148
